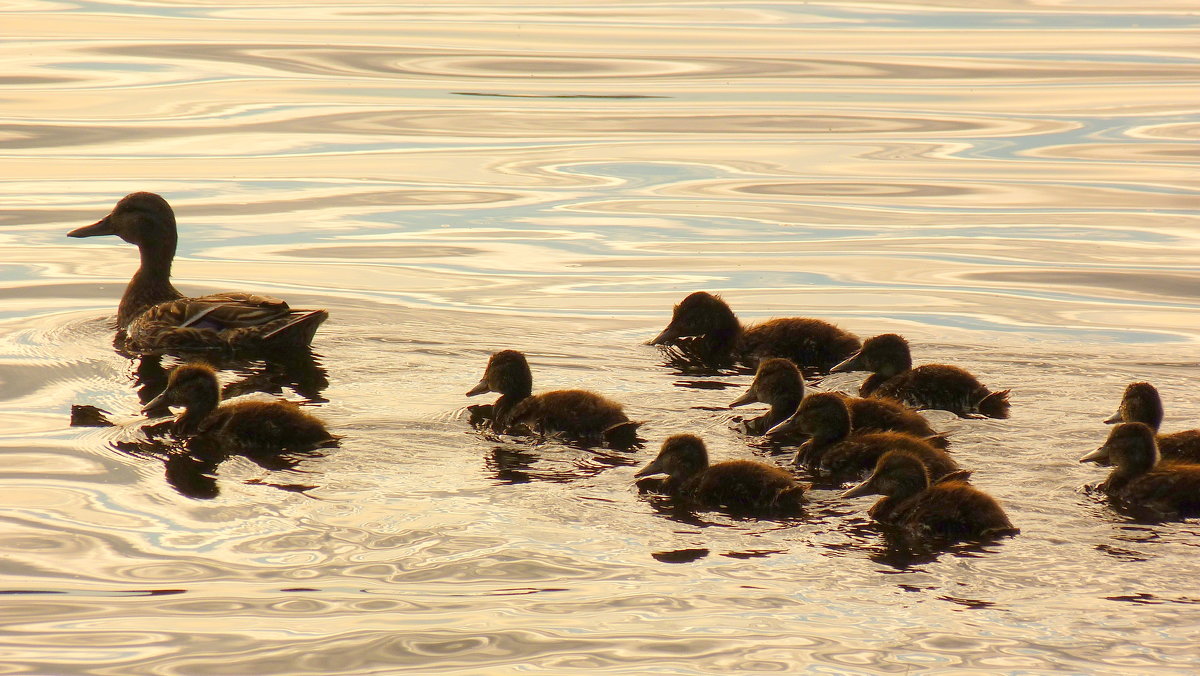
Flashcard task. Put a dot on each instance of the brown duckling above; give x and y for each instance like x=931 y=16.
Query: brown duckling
x=778 y=384
x=834 y=448
x=739 y=485
x=1142 y=403
x=1139 y=479
x=939 y=386
x=154 y=315
x=703 y=326
x=274 y=425
x=946 y=508
x=577 y=414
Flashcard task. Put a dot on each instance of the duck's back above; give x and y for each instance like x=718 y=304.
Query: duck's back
x=806 y=341
x=951 y=510
x=1180 y=446
x=573 y=412
x=1170 y=487
x=266 y=426
x=857 y=454
x=939 y=386
x=883 y=414
x=223 y=320
x=747 y=485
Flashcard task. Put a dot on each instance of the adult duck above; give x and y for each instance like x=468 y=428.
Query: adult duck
x=737 y=485
x=155 y=316
x=1142 y=403
x=945 y=508
x=704 y=328
x=938 y=386
x=243 y=426
x=577 y=414
x=1139 y=479
x=837 y=449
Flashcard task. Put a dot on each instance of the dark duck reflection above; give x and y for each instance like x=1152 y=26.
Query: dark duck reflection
x=739 y=486
x=1142 y=403
x=1139 y=480
x=937 y=386
x=946 y=508
x=837 y=449
x=578 y=415
x=155 y=316
x=703 y=331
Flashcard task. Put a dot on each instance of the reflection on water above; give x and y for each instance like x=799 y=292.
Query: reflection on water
x=1011 y=185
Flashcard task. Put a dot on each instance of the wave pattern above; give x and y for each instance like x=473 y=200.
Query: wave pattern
x=1010 y=185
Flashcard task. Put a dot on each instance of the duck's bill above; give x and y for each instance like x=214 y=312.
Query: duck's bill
x=852 y=363
x=1115 y=418
x=157 y=402
x=784 y=427
x=100 y=227
x=865 y=488
x=749 y=397
x=478 y=389
x=668 y=335
x=655 y=467
x=1100 y=455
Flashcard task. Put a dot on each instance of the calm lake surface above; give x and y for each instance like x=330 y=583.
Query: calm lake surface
x=1013 y=187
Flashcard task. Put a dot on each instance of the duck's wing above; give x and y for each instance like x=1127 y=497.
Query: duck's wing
x=221 y=311
x=223 y=320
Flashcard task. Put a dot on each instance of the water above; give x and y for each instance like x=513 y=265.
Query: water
x=1010 y=186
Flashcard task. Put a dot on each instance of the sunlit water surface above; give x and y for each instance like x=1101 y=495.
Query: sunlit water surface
x=1012 y=187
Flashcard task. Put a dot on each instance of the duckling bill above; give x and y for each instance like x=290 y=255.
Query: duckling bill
x=577 y=414
x=155 y=316
x=257 y=426
x=938 y=386
x=706 y=330
x=737 y=485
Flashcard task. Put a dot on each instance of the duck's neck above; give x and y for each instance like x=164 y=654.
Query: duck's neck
x=151 y=284
x=189 y=422
x=782 y=408
x=503 y=407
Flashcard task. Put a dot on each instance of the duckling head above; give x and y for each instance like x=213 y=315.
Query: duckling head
x=682 y=456
x=821 y=415
x=140 y=218
x=886 y=355
x=777 y=382
x=193 y=386
x=700 y=314
x=897 y=474
x=1130 y=446
x=508 y=373
x=1140 y=403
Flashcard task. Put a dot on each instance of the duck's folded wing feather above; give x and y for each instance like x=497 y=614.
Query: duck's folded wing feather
x=219 y=311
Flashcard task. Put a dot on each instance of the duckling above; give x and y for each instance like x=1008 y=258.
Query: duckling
x=1142 y=403
x=739 y=485
x=245 y=425
x=778 y=384
x=835 y=449
x=946 y=508
x=154 y=315
x=704 y=327
x=937 y=386
x=578 y=414
x=1139 y=479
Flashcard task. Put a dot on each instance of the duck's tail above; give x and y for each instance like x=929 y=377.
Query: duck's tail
x=995 y=405
x=791 y=499
x=297 y=331
x=940 y=440
x=623 y=435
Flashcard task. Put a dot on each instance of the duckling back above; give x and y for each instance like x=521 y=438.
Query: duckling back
x=575 y=413
x=940 y=386
x=953 y=510
x=745 y=485
x=858 y=454
x=266 y=426
x=809 y=343
x=884 y=414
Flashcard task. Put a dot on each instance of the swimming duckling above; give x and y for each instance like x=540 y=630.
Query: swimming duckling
x=703 y=326
x=274 y=425
x=739 y=485
x=1142 y=403
x=947 y=508
x=578 y=414
x=778 y=384
x=835 y=449
x=154 y=316
x=1139 y=479
x=939 y=386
